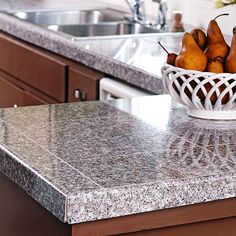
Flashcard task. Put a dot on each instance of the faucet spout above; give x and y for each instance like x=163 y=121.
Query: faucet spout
x=137 y=9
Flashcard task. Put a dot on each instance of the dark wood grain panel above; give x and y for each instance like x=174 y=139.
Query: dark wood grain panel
x=86 y=81
x=20 y=215
x=188 y=220
x=36 y=67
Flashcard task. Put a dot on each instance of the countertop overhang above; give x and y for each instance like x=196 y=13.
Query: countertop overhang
x=94 y=160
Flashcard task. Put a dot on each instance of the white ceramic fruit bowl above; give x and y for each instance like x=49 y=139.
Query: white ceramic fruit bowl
x=206 y=95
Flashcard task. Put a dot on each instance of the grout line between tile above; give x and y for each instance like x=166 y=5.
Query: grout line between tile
x=14 y=156
x=81 y=173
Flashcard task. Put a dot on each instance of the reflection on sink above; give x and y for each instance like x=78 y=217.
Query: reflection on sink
x=70 y=17
x=77 y=24
x=103 y=29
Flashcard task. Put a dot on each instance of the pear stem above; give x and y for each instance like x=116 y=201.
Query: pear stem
x=225 y=14
x=163 y=47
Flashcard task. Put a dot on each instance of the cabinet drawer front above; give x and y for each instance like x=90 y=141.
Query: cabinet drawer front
x=35 y=67
x=82 y=86
x=30 y=99
x=11 y=95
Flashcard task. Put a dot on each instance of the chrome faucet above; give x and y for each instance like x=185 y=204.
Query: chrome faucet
x=137 y=9
x=162 y=9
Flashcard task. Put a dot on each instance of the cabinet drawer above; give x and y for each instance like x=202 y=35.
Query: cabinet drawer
x=33 y=66
x=11 y=94
x=30 y=99
x=83 y=85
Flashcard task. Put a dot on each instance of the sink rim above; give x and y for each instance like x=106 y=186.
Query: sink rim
x=76 y=38
x=36 y=17
x=124 y=36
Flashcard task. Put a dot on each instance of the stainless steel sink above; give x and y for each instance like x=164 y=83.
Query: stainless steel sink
x=85 y=23
x=103 y=29
x=70 y=17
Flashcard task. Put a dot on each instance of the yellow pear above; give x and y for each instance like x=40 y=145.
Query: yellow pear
x=216 y=45
x=230 y=62
x=191 y=57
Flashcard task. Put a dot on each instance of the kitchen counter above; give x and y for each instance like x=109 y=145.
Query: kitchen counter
x=153 y=156
x=136 y=60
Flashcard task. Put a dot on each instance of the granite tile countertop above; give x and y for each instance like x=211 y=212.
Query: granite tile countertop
x=68 y=160
x=136 y=60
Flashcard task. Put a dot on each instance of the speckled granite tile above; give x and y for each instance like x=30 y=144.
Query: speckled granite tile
x=87 y=206
x=59 y=112
x=115 y=163
x=131 y=169
x=196 y=159
x=43 y=192
x=45 y=163
x=174 y=120
x=88 y=137
x=224 y=151
x=143 y=198
x=45 y=177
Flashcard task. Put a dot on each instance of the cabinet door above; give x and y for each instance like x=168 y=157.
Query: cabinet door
x=38 y=68
x=11 y=95
x=30 y=99
x=83 y=84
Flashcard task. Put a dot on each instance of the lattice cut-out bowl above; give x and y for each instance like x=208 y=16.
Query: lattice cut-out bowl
x=206 y=95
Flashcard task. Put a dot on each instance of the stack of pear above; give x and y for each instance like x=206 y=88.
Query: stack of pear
x=230 y=62
x=191 y=57
x=207 y=53
x=216 y=45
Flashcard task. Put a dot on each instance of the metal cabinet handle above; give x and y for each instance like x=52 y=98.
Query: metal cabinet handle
x=79 y=94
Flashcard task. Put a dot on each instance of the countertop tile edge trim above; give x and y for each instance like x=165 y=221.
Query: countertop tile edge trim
x=127 y=200
x=25 y=177
x=87 y=206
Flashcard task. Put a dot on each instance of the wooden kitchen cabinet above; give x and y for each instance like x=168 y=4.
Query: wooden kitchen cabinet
x=34 y=76
x=13 y=95
x=83 y=84
x=35 y=67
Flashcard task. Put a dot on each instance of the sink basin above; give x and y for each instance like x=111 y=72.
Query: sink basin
x=69 y=17
x=85 y=23
x=103 y=29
